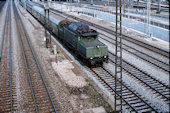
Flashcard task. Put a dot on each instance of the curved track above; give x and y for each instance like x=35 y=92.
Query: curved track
x=135 y=103
x=131 y=100
x=154 y=61
x=41 y=96
x=125 y=37
x=147 y=80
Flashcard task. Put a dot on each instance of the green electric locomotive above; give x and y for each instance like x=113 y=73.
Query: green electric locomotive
x=76 y=35
x=84 y=41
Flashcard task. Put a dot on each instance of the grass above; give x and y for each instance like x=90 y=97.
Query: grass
x=96 y=98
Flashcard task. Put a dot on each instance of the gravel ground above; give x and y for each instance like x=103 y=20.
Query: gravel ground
x=142 y=90
x=146 y=67
x=153 y=71
x=64 y=70
x=68 y=98
x=43 y=55
x=38 y=46
x=107 y=24
x=158 y=43
x=135 y=34
x=23 y=92
x=153 y=54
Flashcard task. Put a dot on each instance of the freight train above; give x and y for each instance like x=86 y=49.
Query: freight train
x=76 y=35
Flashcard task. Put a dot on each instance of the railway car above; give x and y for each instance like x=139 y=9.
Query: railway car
x=75 y=35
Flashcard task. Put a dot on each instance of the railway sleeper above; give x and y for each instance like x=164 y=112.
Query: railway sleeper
x=162 y=91
x=127 y=94
x=166 y=93
x=129 y=97
x=147 y=79
x=157 y=86
x=144 y=109
x=5 y=92
x=134 y=71
x=110 y=80
x=8 y=110
x=135 y=102
x=139 y=105
x=8 y=103
x=132 y=100
x=5 y=96
x=150 y=83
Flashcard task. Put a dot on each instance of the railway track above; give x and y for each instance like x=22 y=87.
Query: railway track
x=154 y=61
x=124 y=37
x=42 y=98
x=140 y=19
x=110 y=31
x=143 y=56
x=147 y=80
x=135 y=104
x=7 y=87
x=127 y=38
x=131 y=100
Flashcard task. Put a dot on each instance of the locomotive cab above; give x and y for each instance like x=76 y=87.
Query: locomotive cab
x=94 y=50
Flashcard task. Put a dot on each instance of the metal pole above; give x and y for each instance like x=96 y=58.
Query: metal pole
x=148 y=19
x=159 y=6
x=118 y=57
x=91 y=2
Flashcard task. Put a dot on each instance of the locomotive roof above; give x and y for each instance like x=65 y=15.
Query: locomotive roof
x=79 y=28
x=75 y=26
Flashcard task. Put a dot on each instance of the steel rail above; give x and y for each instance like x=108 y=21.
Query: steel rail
x=114 y=91
x=154 y=61
x=126 y=101
x=41 y=73
x=7 y=28
x=164 y=66
x=110 y=31
x=144 y=81
x=140 y=19
x=125 y=37
x=131 y=91
x=16 y=19
x=163 y=53
x=10 y=56
x=97 y=25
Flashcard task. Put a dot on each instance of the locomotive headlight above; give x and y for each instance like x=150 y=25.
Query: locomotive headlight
x=91 y=58
x=105 y=56
x=98 y=46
